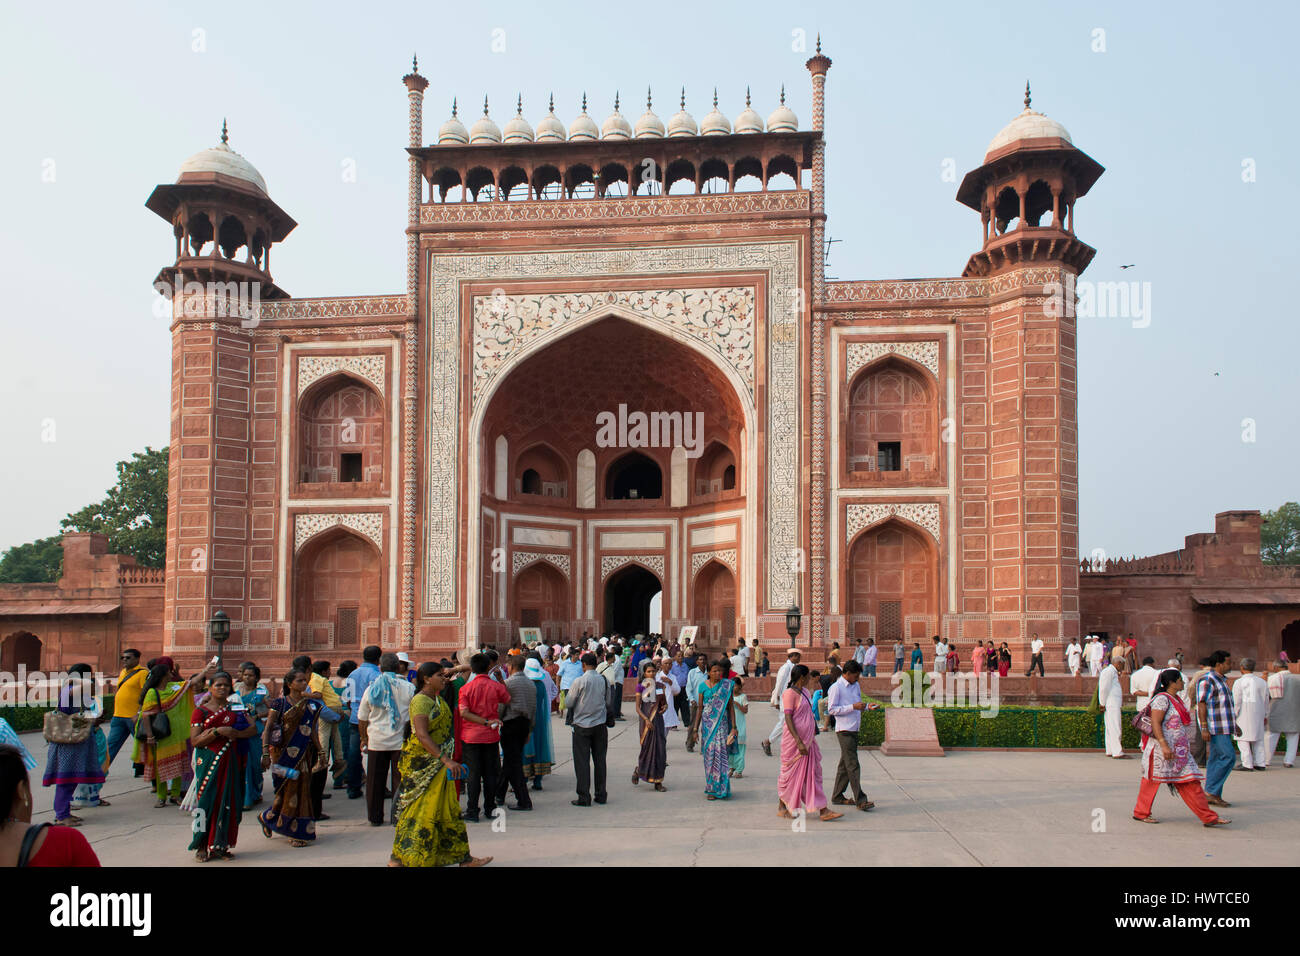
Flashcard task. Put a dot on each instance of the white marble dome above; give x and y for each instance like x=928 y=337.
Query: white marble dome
x=484 y=129
x=649 y=126
x=584 y=127
x=748 y=121
x=224 y=160
x=782 y=119
x=682 y=123
x=453 y=132
x=549 y=127
x=616 y=125
x=1030 y=124
x=517 y=129
x=714 y=122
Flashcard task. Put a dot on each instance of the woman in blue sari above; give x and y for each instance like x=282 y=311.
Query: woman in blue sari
x=715 y=725
x=538 y=758
x=291 y=751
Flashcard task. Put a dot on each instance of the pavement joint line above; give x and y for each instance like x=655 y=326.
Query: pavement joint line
x=952 y=836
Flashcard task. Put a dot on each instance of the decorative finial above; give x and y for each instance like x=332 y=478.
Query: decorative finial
x=224 y=137
x=415 y=64
x=453 y=106
x=647 y=99
x=552 y=102
x=616 y=101
x=1026 y=94
x=584 y=101
x=747 y=97
x=519 y=105
x=485 y=112
x=683 y=99
x=819 y=44
x=783 y=94
x=715 y=97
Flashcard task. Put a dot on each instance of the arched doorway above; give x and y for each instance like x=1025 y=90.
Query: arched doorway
x=892 y=421
x=22 y=649
x=1291 y=640
x=627 y=600
x=541 y=599
x=715 y=606
x=336 y=592
x=893 y=585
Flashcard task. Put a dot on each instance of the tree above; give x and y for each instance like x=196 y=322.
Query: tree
x=134 y=515
x=1279 y=539
x=37 y=562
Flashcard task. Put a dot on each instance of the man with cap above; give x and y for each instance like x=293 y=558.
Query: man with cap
x=792 y=657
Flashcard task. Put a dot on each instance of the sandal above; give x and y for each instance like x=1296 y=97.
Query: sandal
x=476 y=861
x=661 y=788
x=1146 y=819
x=395 y=862
x=635 y=779
x=160 y=804
x=783 y=813
x=227 y=855
x=266 y=831
x=826 y=814
x=1221 y=822
x=68 y=822
x=299 y=843
x=202 y=856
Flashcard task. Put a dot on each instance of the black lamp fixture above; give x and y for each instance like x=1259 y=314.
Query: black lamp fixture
x=792 y=621
x=219 y=631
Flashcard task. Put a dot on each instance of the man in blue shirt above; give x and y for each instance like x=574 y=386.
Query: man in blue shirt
x=570 y=670
x=358 y=681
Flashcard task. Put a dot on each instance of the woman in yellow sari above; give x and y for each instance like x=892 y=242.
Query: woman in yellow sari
x=430 y=831
x=166 y=759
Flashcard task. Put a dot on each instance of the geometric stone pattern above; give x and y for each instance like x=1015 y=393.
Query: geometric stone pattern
x=521 y=559
x=612 y=562
x=702 y=558
x=924 y=515
x=622 y=209
x=723 y=319
x=307 y=526
x=862 y=353
x=312 y=368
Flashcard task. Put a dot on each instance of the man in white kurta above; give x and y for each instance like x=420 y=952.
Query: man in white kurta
x=671 y=690
x=1283 y=711
x=782 y=682
x=1096 y=656
x=1250 y=704
x=1110 y=695
x=1143 y=681
x=1074 y=656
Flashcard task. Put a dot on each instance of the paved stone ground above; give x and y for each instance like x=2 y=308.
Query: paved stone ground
x=970 y=808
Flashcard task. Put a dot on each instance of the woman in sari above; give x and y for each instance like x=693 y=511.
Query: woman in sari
x=538 y=758
x=978 y=658
x=800 y=782
x=291 y=751
x=1004 y=660
x=651 y=703
x=736 y=755
x=991 y=657
x=167 y=759
x=1167 y=754
x=253 y=696
x=430 y=831
x=216 y=734
x=69 y=765
x=715 y=725
x=87 y=794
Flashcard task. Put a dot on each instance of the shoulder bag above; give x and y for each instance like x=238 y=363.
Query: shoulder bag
x=160 y=724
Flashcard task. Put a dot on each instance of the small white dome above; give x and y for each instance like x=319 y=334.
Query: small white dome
x=714 y=123
x=649 y=126
x=782 y=119
x=584 y=127
x=484 y=130
x=682 y=122
x=453 y=132
x=518 y=129
x=549 y=127
x=616 y=125
x=224 y=160
x=748 y=121
x=1030 y=124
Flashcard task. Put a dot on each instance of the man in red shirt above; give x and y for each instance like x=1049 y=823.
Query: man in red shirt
x=482 y=702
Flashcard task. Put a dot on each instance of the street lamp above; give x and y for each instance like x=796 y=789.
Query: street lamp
x=792 y=619
x=219 y=631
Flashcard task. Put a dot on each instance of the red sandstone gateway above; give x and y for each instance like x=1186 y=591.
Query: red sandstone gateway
x=422 y=470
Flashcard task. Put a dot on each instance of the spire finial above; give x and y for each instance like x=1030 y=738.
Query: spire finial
x=616 y=101
x=1026 y=94
x=485 y=108
x=453 y=106
x=552 y=102
x=648 y=99
x=584 y=101
x=224 y=136
x=819 y=44
x=783 y=94
x=519 y=105
x=415 y=63
x=747 y=97
x=683 y=99
x=715 y=97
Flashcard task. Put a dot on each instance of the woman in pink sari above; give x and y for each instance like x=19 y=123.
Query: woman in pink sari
x=800 y=782
x=978 y=658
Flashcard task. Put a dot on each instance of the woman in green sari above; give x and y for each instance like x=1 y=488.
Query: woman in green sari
x=218 y=733
x=430 y=831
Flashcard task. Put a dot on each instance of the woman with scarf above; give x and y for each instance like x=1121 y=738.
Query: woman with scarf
x=1167 y=754
x=69 y=765
x=538 y=757
x=991 y=657
x=291 y=751
x=430 y=831
x=1004 y=660
x=800 y=781
x=217 y=734
x=736 y=753
x=651 y=704
x=715 y=723
x=166 y=759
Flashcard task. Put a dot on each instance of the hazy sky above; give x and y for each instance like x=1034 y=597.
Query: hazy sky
x=108 y=99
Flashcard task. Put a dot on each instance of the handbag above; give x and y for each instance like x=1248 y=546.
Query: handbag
x=1142 y=721
x=159 y=724
x=61 y=728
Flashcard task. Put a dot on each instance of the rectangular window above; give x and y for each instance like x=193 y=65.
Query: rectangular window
x=889 y=456
x=350 y=467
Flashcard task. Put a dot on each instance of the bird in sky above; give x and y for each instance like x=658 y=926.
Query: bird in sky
x=1129 y=266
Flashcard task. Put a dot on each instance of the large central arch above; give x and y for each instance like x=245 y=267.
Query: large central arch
x=587 y=579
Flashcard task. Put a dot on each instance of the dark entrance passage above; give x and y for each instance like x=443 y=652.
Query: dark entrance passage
x=1291 y=640
x=627 y=600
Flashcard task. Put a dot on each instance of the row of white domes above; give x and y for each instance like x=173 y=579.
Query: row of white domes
x=649 y=126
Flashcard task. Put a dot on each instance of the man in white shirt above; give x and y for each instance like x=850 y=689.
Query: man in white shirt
x=1143 y=682
x=1035 y=656
x=738 y=660
x=1074 y=656
x=1250 y=703
x=1096 y=655
x=940 y=656
x=744 y=653
x=381 y=725
x=845 y=704
x=1110 y=695
x=792 y=657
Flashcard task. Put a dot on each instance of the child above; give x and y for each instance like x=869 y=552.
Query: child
x=736 y=753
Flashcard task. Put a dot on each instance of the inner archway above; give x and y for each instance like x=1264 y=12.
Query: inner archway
x=628 y=593
x=22 y=649
x=336 y=592
x=893 y=585
x=541 y=599
x=714 y=606
x=1291 y=640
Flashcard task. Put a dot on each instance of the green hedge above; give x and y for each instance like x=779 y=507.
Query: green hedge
x=33 y=718
x=1041 y=727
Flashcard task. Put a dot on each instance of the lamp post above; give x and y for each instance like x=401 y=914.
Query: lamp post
x=219 y=631
x=792 y=621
